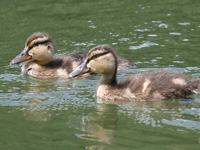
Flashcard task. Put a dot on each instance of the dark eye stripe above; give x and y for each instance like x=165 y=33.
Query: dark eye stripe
x=96 y=56
x=38 y=43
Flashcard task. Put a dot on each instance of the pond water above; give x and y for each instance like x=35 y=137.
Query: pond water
x=65 y=114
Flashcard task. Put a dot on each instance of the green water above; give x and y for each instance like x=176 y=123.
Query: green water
x=61 y=114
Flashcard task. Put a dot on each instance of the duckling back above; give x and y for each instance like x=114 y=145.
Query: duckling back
x=164 y=85
x=157 y=85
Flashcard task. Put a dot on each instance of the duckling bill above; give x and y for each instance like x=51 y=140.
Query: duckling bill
x=155 y=85
x=41 y=62
x=23 y=56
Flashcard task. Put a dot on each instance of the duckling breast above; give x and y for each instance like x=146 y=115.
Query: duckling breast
x=102 y=91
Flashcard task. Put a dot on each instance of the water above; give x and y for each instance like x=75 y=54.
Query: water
x=63 y=114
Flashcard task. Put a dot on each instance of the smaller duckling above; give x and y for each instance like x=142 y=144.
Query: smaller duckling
x=39 y=52
x=156 y=85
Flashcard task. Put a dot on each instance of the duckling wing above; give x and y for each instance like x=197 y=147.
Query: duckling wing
x=163 y=85
x=78 y=56
x=124 y=63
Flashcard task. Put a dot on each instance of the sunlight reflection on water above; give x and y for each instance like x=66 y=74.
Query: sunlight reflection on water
x=146 y=44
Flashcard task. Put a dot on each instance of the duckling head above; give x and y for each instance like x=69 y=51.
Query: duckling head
x=39 y=47
x=101 y=60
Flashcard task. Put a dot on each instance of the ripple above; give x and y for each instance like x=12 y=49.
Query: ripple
x=192 y=68
x=146 y=44
x=184 y=23
x=178 y=62
x=183 y=123
x=80 y=44
x=142 y=30
x=158 y=21
x=124 y=39
x=12 y=77
x=152 y=35
x=115 y=43
x=185 y=40
x=93 y=26
x=175 y=33
x=163 y=25
x=91 y=44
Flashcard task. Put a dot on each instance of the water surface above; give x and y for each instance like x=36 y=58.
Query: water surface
x=65 y=114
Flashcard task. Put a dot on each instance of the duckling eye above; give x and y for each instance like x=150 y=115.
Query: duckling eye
x=36 y=43
x=95 y=56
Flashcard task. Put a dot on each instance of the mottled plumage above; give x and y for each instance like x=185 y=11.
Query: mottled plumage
x=155 y=85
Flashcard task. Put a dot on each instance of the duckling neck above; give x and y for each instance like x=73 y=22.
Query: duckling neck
x=44 y=62
x=108 y=79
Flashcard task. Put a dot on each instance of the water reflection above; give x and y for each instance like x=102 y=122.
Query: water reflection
x=45 y=97
x=103 y=125
x=39 y=97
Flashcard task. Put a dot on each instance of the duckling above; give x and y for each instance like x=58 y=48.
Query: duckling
x=155 y=85
x=39 y=52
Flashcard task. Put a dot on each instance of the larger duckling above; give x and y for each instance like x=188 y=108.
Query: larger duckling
x=39 y=52
x=157 y=85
